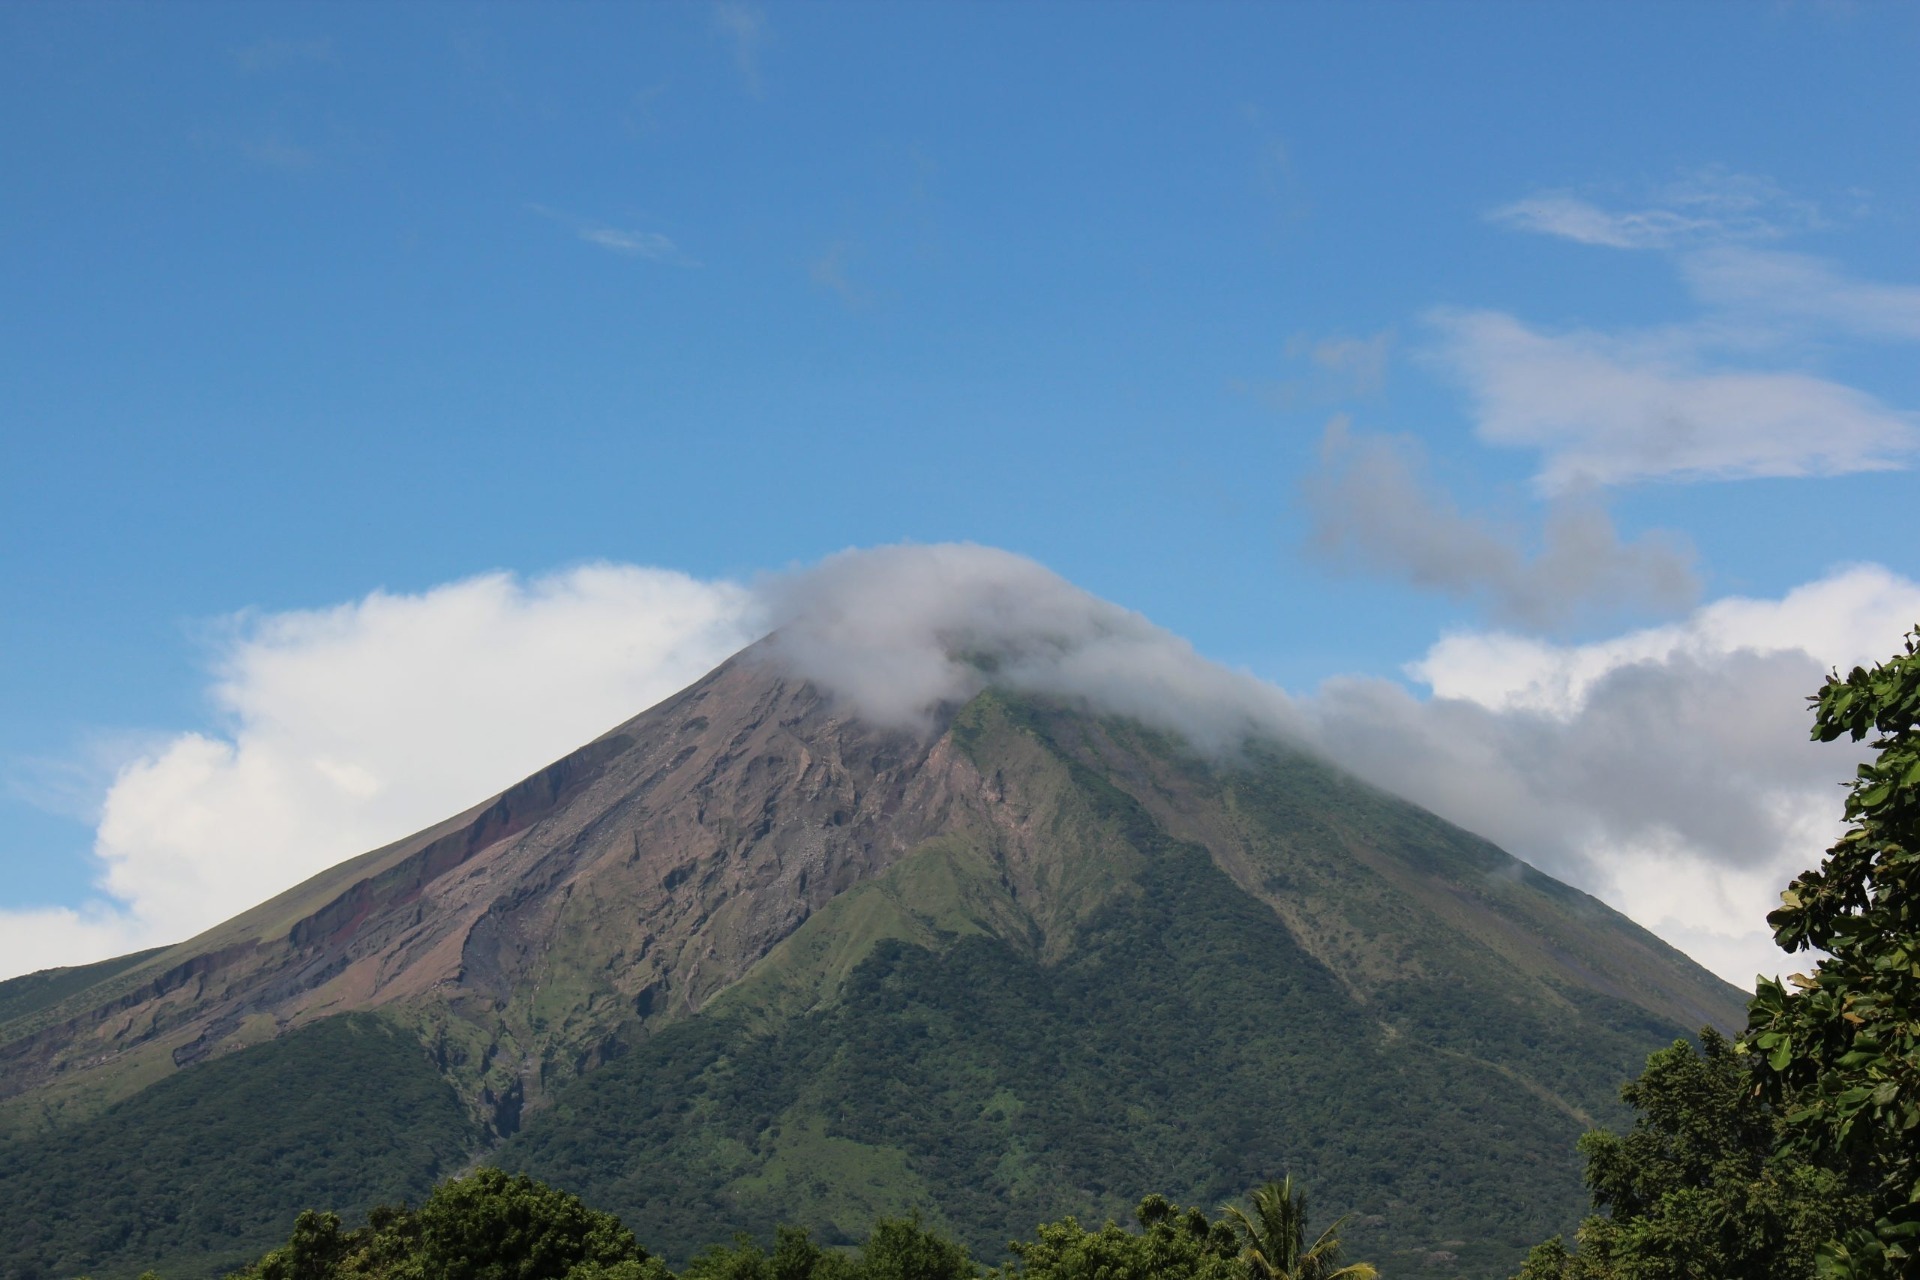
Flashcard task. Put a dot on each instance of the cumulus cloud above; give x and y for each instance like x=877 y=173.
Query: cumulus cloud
x=1372 y=508
x=1666 y=770
x=349 y=727
x=1605 y=410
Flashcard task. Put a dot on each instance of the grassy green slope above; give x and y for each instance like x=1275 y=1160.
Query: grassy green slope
x=208 y=1168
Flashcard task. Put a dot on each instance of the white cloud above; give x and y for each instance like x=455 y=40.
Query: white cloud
x=1606 y=410
x=1666 y=770
x=1372 y=507
x=353 y=726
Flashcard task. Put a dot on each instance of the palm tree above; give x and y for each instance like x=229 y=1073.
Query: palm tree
x=1275 y=1236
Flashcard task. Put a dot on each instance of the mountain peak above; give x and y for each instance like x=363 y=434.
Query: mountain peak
x=753 y=855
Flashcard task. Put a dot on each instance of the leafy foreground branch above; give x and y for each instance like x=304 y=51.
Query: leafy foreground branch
x=493 y=1226
x=1796 y=1152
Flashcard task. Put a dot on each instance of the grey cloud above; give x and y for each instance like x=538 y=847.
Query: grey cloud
x=1371 y=508
x=1707 y=755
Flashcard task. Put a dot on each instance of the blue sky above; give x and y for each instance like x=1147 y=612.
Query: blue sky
x=308 y=302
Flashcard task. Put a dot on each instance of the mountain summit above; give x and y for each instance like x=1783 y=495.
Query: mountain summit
x=765 y=952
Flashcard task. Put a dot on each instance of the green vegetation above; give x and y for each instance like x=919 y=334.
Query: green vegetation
x=1274 y=1239
x=1697 y=1188
x=1795 y=1153
x=203 y=1170
x=490 y=1226
x=1841 y=1054
x=1183 y=1041
x=486 y=1226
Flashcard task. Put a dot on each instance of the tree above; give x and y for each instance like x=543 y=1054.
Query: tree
x=795 y=1256
x=485 y=1226
x=492 y=1226
x=1274 y=1238
x=1841 y=1052
x=902 y=1249
x=1173 y=1244
x=1697 y=1188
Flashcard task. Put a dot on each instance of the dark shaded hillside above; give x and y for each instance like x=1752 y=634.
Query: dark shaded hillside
x=206 y=1169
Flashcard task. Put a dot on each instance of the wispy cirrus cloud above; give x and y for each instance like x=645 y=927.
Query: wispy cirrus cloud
x=275 y=52
x=628 y=242
x=745 y=26
x=829 y=272
x=1800 y=289
x=1337 y=369
x=1731 y=393
x=1607 y=409
x=1711 y=206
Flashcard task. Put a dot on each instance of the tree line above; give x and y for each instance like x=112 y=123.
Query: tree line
x=1793 y=1152
x=490 y=1225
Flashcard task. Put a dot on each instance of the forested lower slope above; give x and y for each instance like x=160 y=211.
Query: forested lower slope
x=204 y=1170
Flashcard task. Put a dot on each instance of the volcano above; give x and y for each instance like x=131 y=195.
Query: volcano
x=755 y=956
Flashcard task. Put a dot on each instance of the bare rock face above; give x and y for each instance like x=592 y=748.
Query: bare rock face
x=631 y=880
